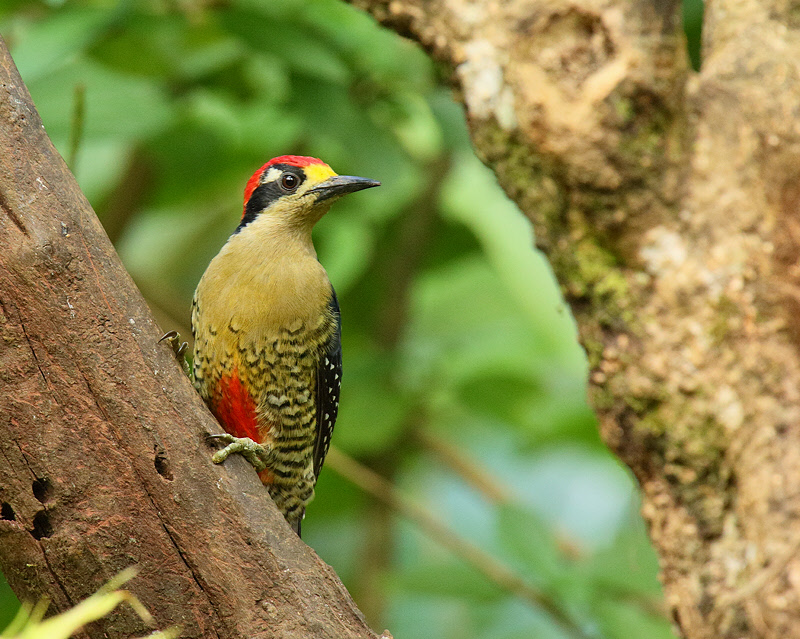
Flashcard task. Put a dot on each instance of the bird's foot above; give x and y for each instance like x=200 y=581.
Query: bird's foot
x=257 y=455
x=173 y=338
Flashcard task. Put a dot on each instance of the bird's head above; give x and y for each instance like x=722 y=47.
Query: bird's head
x=296 y=190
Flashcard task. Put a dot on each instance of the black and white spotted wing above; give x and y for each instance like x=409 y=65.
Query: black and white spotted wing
x=329 y=381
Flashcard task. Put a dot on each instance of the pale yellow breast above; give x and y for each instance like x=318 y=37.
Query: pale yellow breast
x=264 y=281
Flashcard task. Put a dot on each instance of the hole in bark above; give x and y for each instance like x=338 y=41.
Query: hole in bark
x=42 y=490
x=7 y=512
x=41 y=526
x=706 y=605
x=162 y=464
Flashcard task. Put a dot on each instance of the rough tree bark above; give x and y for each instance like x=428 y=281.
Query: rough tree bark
x=101 y=435
x=667 y=202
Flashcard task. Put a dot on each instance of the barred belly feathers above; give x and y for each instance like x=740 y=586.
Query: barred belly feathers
x=265 y=319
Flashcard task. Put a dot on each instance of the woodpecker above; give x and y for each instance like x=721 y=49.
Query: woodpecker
x=265 y=320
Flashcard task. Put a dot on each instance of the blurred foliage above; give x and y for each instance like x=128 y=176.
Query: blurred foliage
x=693 y=26
x=29 y=622
x=464 y=383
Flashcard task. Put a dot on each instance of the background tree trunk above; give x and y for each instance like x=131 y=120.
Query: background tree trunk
x=102 y=436
x=667 y=203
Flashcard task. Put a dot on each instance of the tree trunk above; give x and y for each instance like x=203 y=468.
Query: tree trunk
x=667 y=203
x=103 y=457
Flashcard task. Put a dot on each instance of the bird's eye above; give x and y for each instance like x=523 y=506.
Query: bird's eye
x=289 y=181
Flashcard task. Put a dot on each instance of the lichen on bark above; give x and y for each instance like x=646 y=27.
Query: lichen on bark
x=667 y=204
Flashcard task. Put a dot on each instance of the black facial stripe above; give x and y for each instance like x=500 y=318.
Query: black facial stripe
x=261 y=198
x=268 y=193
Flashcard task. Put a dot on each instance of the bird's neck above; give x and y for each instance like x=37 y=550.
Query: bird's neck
x=267 y=274
x=275 y=236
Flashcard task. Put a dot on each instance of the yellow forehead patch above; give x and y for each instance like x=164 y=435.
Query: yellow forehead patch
x=316 y=173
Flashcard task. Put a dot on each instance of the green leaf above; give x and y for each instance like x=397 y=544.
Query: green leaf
x=451 y=578
x=625 y=620
x=118 y=107
x=628 y=567
x=167 y=47
x=372 y=413
x=58 y=41
x=530 y=543
x=100 y=165
x=345 y=246
x=298 y=49
x=9 y=604
x=411 y=120
x=464 y=325
x=376 y=54
x=506 y=397
x=471 y=195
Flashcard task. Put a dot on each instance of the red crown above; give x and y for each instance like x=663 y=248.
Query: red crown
x=294 y=160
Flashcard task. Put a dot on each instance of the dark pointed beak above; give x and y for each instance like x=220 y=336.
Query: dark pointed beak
x=341 y=184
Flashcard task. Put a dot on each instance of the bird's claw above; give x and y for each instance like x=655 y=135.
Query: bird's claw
x=257 y=455
x=178 y=348
x=174 y=339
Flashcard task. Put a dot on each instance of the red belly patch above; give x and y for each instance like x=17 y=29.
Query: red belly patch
x=235 y=407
